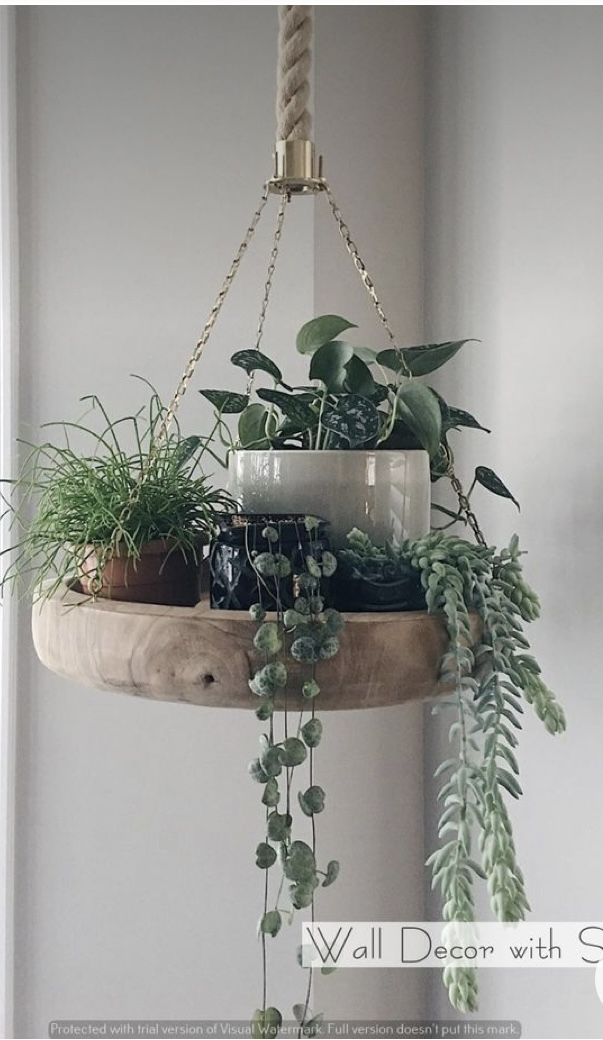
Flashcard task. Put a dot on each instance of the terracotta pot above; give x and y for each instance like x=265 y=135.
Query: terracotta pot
x=161 y=575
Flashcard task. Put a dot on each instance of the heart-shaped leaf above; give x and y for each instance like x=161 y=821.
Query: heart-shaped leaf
x=265 y=1025
x=292 y=752
x=418 y=407
x=300 y=864
x=456 y=417
x=329 y=365
x=321 y=330
x=311 y=731
x=265 y=855
x=270 y=923
x=279 y=826
x=271 y=795
x=294 y=406
x=488 y=479
x=354 y=418
x=422 y=360
x=225 y=401
x=312 y=800
x=252 y=427
x=255 y=361
x=358 y=378
x=302 y=895
x=332 y=873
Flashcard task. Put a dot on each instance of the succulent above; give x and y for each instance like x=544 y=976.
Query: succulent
x=309 y=634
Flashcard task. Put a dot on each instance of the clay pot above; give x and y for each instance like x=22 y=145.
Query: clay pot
x=161 y=575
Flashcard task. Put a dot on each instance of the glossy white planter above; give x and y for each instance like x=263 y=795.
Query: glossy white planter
x=384 y=493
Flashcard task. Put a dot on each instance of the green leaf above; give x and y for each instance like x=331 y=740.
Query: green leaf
x=358 y=379
x=270 y=923
x=255 y=361
x=456 y=417
x=257 y=772
x=271 y=795
x=332 y=873
x=329 y=365
x=421 y=360
x=354 y=418
x=312 y=800
x=294 y=406
x=252 y=427
x=300 y=864
x=279 y=826
x=225 y=401
x=418 y=407
x=266 y=1024
x=292 y=752
x=265 y=855
x=311 y=731
x=488 y=479
x=302 y=895
x=187 y=448
x=321 y=330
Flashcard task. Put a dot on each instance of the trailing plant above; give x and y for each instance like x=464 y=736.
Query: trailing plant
x=290 y=643
x=124 y=488
x=489 y=681
x=358 y=398
x=379 y=564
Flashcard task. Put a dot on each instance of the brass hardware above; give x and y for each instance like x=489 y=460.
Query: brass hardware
x=297 y=170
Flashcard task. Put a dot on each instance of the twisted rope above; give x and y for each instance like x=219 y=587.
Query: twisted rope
x=293 y=120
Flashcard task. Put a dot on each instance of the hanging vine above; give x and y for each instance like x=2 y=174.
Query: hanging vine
x=305 y=635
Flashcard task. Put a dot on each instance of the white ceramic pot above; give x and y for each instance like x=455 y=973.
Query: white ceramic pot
x=384 y=493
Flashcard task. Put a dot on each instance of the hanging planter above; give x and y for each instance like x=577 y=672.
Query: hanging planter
x=359 y=445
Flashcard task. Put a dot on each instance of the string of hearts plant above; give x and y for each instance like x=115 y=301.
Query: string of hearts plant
x=298 y=638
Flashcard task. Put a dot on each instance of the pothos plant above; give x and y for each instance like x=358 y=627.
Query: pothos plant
x=297 y=639
x=489 y=675
x=357 y=398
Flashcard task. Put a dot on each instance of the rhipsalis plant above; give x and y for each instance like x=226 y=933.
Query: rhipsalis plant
x=293 y=641
x=484 y=602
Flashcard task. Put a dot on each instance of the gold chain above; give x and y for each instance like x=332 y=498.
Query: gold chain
x=211 y=321
x=367 y=281
x=280 y=219
x=95 y=583
x=464 y=503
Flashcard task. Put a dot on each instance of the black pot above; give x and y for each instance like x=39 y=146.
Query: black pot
x=358 y=594
x=234 y=583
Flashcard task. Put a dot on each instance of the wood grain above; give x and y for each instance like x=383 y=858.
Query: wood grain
x=200 y=656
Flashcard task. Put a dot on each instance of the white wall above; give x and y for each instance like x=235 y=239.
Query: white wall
x=515 y=257
x=376 y=778
x=144 y=137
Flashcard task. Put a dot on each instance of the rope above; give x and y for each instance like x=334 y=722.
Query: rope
x=293 y=120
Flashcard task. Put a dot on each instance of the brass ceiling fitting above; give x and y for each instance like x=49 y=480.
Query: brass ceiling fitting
x=296 y=169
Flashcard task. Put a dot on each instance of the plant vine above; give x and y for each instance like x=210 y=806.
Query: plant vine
x=292 y=640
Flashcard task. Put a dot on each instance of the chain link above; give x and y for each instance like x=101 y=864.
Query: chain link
x=96 y=581
x=464 y=503
x=367 y=281
x=211 y=321
x=280 y=219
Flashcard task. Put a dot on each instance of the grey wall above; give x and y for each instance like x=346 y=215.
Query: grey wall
x=144 y=136
x=515 y=257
